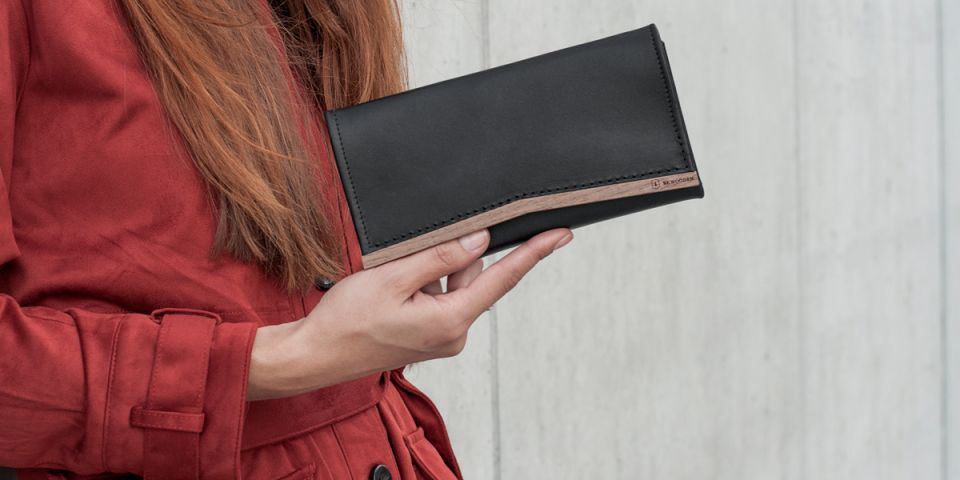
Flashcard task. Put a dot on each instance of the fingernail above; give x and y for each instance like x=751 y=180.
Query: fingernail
x=563 y=241
x=474 y=240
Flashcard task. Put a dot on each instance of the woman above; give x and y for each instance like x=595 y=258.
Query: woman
x=170 y=230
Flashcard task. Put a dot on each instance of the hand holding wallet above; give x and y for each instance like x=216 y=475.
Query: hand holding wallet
x=563 y=139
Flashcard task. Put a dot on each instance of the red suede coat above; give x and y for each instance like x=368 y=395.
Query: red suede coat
x=122 y=347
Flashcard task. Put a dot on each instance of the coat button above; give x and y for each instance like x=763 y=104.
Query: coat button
x=323 y=283
x=380 y=472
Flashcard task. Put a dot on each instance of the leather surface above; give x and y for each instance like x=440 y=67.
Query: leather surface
x=595 y=114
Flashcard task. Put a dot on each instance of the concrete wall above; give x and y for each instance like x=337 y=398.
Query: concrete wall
x=801 y=321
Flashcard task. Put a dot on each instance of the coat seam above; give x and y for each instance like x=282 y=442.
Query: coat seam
x=251 y=335
x=343 y=451
x=26 y=73
x=110 y=378
x=326 y=423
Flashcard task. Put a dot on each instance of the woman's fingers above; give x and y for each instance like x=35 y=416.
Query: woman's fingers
x=458 y=280
x=433 y=288
x=414 y=271
x=498 y=279
x=365 y=324
x=455 y=280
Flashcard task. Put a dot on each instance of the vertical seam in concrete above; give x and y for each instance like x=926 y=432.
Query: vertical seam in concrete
x=485 y=32
x=495 y=393
x=798 y=227
x=945 y=417
x=494 y=339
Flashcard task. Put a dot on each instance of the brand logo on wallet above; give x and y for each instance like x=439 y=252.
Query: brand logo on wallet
x=659 y=183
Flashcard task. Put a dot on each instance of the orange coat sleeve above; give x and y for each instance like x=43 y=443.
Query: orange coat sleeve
x=160 y=394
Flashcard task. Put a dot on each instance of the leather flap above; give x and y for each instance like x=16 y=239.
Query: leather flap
x=435 y=162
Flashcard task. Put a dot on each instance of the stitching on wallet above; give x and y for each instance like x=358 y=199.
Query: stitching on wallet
x=346 y=163
x=670 y=105
x=520 y=196
x=672 y=111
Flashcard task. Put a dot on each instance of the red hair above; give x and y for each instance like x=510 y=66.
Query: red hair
x=222 y=80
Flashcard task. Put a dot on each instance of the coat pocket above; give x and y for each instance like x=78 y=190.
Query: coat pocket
x=303 y=473
x=426 y=457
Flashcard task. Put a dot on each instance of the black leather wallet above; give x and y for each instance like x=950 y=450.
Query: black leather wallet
x=567 y=138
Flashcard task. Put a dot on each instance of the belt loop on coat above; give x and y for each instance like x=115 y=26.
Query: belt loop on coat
x=173 y=414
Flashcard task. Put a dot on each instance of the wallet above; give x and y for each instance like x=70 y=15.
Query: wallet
x=564 y=139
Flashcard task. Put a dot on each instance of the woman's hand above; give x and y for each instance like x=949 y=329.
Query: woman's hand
x=392 y=315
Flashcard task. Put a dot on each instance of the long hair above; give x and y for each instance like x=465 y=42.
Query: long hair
x=239 y=80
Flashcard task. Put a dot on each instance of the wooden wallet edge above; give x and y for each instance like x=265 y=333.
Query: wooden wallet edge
x=530 y=205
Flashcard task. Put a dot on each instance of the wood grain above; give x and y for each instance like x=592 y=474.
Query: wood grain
x=530 y=205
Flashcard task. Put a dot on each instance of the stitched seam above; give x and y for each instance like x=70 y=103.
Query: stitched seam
x=411 y=389
x=519 y=196
x=302 y=473
x=322 y=463
x=381 y=428
x=157 y=362
x=204 y=365
x=106 y=409
x=311 y=471
x=426 y=466
x=343 y=451
x=220 y=312
x=340 y=206
x=286 y=436
x=343 y=231
x=165 y=422
x=195 y=438
x=346 y=163
x=671 y=110
x=28 y=14
x=148 y=468
x=671 y=107
x=173 y=416
x=248 y=346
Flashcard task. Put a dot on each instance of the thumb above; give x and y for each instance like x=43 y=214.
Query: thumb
x=416 y=270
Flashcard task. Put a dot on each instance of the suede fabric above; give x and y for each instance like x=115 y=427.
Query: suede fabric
x=124 y=349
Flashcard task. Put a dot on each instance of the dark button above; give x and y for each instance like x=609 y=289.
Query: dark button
x=323 y=283
x=380 y=472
